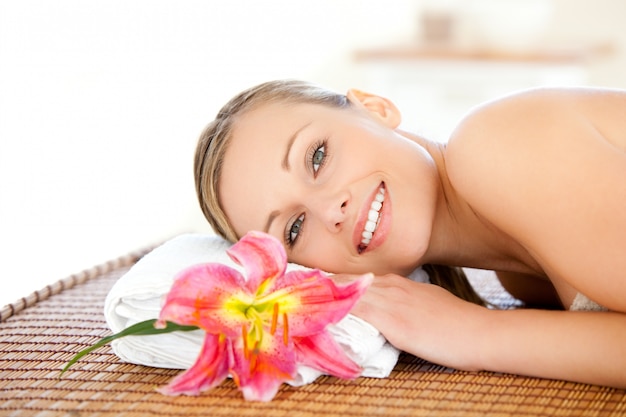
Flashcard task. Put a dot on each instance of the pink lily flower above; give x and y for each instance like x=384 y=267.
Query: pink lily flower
x=260 y=328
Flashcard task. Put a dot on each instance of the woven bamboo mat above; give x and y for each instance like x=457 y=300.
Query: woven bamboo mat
x=40 y=333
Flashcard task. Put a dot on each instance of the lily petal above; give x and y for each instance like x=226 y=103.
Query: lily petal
x=260 y=371
x=262 y=256
x=210 y=369
x=321 y=351
x=199 y=295
x=317 y=300
x=261 y=389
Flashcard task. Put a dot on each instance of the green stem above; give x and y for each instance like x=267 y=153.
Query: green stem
x=142 y=328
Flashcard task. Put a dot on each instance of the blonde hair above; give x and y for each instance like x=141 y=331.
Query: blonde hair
x=213 y=143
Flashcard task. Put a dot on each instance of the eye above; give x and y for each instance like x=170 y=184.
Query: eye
x=318 y=156
x=293 y=230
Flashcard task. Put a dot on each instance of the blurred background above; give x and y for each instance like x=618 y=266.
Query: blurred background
x=101 y=103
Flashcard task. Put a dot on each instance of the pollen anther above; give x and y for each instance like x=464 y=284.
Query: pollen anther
x=286 y=329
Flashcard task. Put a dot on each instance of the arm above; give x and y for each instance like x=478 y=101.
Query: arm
x=576 y=346
x=431 y=323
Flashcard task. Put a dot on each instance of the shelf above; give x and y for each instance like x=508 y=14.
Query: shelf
x=445 y=53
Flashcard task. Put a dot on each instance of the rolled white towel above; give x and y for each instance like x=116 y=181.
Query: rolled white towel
x=140 y=293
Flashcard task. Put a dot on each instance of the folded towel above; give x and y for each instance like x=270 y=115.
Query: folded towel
x=140 y=293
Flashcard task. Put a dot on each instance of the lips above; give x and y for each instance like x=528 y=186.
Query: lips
x=369 y=230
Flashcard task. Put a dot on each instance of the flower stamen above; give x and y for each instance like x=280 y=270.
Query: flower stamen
x=253 y=357
x=274 y=319
x=286 y=329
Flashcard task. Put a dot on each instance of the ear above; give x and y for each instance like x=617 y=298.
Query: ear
x=380 y=108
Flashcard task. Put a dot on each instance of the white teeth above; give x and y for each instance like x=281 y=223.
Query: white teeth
x=373 y=216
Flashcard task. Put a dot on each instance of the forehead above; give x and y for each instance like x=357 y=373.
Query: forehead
x=263 y=121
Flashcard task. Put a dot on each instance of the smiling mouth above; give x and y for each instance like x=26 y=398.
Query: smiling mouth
x=373 y=219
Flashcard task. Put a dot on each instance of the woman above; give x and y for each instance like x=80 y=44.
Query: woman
x=532 y=185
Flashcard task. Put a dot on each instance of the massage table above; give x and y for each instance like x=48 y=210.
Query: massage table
x=42 y=331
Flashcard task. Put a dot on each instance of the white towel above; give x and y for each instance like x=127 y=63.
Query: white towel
x=140 y=293
x=583 y=303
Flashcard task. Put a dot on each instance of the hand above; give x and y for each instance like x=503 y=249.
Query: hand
x=422 y=319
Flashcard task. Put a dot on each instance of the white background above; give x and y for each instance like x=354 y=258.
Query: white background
x=101 y=104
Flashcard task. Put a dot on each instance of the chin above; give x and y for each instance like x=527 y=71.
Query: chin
x=395 y=267
x=405 y=263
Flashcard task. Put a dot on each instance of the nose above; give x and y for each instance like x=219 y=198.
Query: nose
x=331 y=210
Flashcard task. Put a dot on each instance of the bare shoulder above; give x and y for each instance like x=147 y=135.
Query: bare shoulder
x=545 y=109
x=547 y=167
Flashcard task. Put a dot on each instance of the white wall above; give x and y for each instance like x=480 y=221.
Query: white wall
x=434 y=94
x=584 y=22
x=101 y=103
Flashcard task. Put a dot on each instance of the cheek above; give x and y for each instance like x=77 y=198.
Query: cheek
x=414 y=201
x=325 y=255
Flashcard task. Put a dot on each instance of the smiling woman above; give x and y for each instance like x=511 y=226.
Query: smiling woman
x=530 y=185
x=277 y=148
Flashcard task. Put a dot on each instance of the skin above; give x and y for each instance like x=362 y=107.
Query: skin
x=531 y=185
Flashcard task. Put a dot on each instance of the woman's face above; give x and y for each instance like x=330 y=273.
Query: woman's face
x=311 y=175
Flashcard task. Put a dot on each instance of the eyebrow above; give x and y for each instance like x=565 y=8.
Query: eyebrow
x=270 y=219
x=286 y=167
x=290 y=142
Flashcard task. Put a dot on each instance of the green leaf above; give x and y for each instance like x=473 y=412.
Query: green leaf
x=142 y=328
